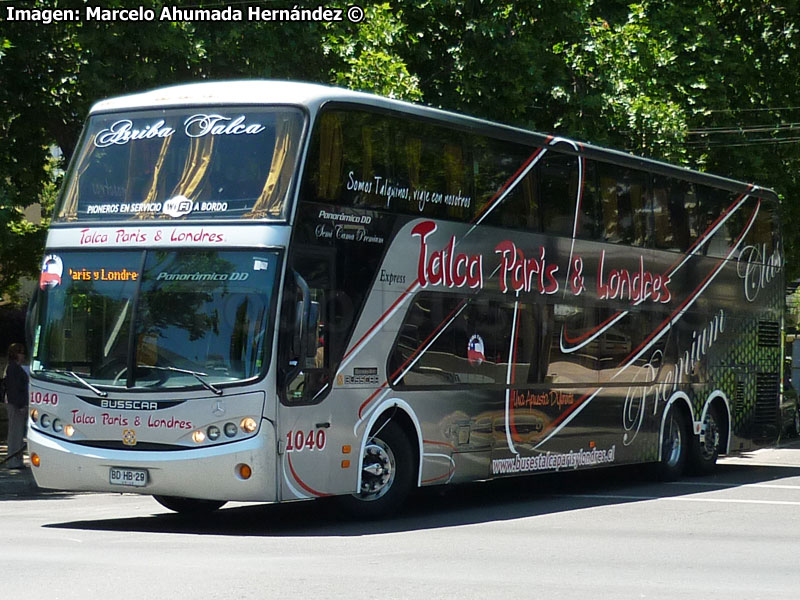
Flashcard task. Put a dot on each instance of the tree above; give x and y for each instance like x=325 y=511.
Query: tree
x=703 y=84
x=52 y=74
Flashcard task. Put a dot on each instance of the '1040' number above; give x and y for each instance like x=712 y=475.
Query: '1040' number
x=50 y=398
x=297 y=441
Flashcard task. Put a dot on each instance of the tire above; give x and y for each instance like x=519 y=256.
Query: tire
x=705 y=447
x=674 y=445
x=189 y=506
x=387 y=475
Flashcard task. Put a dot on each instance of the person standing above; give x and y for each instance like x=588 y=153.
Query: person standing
x=17 y=398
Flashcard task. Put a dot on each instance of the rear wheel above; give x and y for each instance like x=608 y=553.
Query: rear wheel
x=674 y=445
x=705 y=447
x=387 y=474
x=189 y=506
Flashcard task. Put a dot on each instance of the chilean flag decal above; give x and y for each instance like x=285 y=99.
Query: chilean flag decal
x=475 y=350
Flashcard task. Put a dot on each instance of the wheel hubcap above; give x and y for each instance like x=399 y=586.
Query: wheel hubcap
x=709 y=437
x=377 y=470
x=672 y=443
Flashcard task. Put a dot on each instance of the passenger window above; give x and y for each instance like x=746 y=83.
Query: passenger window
x=623 y=198
x=558 y=175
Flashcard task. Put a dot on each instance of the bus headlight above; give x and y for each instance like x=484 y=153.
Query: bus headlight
x=69 y=430
x=230 y=429
x=199 y=437
x=213 y=433
x=58 y=426
x=248 y=425
x=45 y=420
x=34 y=414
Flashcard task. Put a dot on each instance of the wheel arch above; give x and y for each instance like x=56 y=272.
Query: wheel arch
x=718 y=399
x=401 y=413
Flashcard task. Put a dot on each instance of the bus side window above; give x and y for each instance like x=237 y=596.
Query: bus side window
x=669 y=220
x=623 y=196
x=558 y=183
x=494 y=165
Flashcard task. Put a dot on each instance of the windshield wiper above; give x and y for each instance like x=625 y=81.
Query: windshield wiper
x=100 y=393
x=196 y=374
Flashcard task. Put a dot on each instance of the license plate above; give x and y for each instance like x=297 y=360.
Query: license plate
x=129 y=477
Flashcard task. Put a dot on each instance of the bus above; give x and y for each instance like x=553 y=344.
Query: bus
x=274 y=291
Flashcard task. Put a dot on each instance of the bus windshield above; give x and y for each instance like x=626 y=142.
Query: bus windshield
x=153 y=319
x=220 y=163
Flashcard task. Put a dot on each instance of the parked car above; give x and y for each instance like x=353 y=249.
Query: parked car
x=790 y=407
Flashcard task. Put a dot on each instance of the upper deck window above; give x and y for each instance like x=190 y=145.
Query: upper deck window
x=197 y=163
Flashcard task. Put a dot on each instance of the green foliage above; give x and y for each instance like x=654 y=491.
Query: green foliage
x=366 y=60
x=685 y=82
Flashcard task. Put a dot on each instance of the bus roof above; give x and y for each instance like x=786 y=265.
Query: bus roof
x=314 y=95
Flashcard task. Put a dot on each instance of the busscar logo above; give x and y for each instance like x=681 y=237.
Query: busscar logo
x=362 y=376
x=129 y=404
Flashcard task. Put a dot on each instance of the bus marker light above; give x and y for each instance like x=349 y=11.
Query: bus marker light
x=199 y=437
x=248 y=425
x=346 y=449
x=35 y=460
x=69 y=430
x=245 y=472
x=230 y=429
x=345 y=464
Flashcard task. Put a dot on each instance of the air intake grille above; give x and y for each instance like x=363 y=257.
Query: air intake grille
x=766 y=399
x=769 y=333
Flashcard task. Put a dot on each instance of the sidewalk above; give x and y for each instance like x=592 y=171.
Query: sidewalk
x=17 y=484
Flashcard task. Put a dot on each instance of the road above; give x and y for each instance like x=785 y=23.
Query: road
x=608 y=534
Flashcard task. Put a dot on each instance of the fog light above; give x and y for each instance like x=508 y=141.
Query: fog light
x=69 y=430
x=199 y=437
x=213 y=432
x=248 y=425
x=45 y=420
x=230 y=429
x=245 y=472
x=34 y=414
x=58 y=426
x=35 y=460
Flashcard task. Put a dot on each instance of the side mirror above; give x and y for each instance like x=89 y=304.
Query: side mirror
x=312 y=330
x=30 y=317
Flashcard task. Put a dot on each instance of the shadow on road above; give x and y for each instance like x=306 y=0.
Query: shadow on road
x=432 y=508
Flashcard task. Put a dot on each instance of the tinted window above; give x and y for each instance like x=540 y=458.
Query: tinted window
x=382 y=162
x=623 y=203
x=187 y=164
x=451 y=341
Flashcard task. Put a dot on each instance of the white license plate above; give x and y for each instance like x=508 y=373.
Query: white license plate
x=130 y=477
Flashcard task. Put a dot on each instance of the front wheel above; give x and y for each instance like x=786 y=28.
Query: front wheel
x=189 y=506
x=387 y=474
x=674 y=445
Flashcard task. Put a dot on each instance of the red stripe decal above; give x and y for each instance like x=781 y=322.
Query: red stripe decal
x=310 y=490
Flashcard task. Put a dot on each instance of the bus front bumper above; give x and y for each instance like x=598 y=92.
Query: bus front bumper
x=212 y=473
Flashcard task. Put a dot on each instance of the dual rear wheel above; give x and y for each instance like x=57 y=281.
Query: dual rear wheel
x=680 y=448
